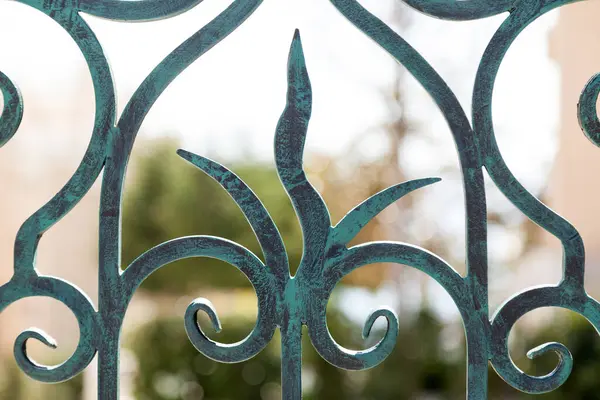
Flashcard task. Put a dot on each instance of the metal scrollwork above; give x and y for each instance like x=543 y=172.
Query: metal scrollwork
x=288 y=302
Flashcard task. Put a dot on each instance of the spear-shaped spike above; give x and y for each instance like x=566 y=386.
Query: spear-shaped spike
x=290 y=138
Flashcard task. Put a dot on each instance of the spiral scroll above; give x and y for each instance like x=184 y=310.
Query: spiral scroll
x=515 y=308
x=236 y=255
x=81 y=307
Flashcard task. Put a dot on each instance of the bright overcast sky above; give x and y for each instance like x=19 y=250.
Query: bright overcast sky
x=235 y=93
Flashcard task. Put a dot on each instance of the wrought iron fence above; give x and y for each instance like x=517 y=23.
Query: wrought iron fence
x=284 y=301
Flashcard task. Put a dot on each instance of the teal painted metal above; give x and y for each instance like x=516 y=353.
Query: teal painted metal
x=284 y=301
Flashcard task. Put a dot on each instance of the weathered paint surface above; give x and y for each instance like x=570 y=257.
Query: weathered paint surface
x=288 y=302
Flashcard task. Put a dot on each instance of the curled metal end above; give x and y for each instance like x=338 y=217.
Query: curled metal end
x=353 y=360
x=51 y=374
x=565 y=360
x=30 y=367
x=224 y=352
x=587 y=112
x=502 y=324
x=191 y=314
x=34 y=333
x=560 y=349
x=83 y=310
x=12 y=112
x=386 y=312
x=538 y=384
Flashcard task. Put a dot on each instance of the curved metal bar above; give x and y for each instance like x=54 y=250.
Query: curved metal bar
x=177 y=61
x=254 y=210
x=136 y=10
x=93 y=160
x=460 y=127
x=525 y=14
x=587 y=110
x=515 y=308
x=570 y=293
x=224 y=250
x=82 y=308
x=422 y=71
x=134 y=114
x=400 y=253
x=370 y=253
x=362 y=214
x=290 y=138
x=12 y=111
x=474 y=188
x=111 y=284
x=461 y=10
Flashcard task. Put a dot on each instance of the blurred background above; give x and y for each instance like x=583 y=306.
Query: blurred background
x=372 y=126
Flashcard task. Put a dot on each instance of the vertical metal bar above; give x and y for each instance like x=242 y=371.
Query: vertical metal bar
x=108 y=366
x=291 y=359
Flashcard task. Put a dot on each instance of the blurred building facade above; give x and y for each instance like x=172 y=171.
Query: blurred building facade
x=573 y=189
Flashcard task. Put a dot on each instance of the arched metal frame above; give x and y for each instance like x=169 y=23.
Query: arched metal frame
x=284 y=301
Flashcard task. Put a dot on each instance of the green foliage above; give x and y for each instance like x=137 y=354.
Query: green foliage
x=169 y=366
x=14 y=385
x=11 y=386
x=583 y=342
x=419 y=367
x=168 y=198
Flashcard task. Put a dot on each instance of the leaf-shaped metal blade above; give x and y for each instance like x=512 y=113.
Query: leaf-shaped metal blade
x=360 y=215
x=254 y=210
